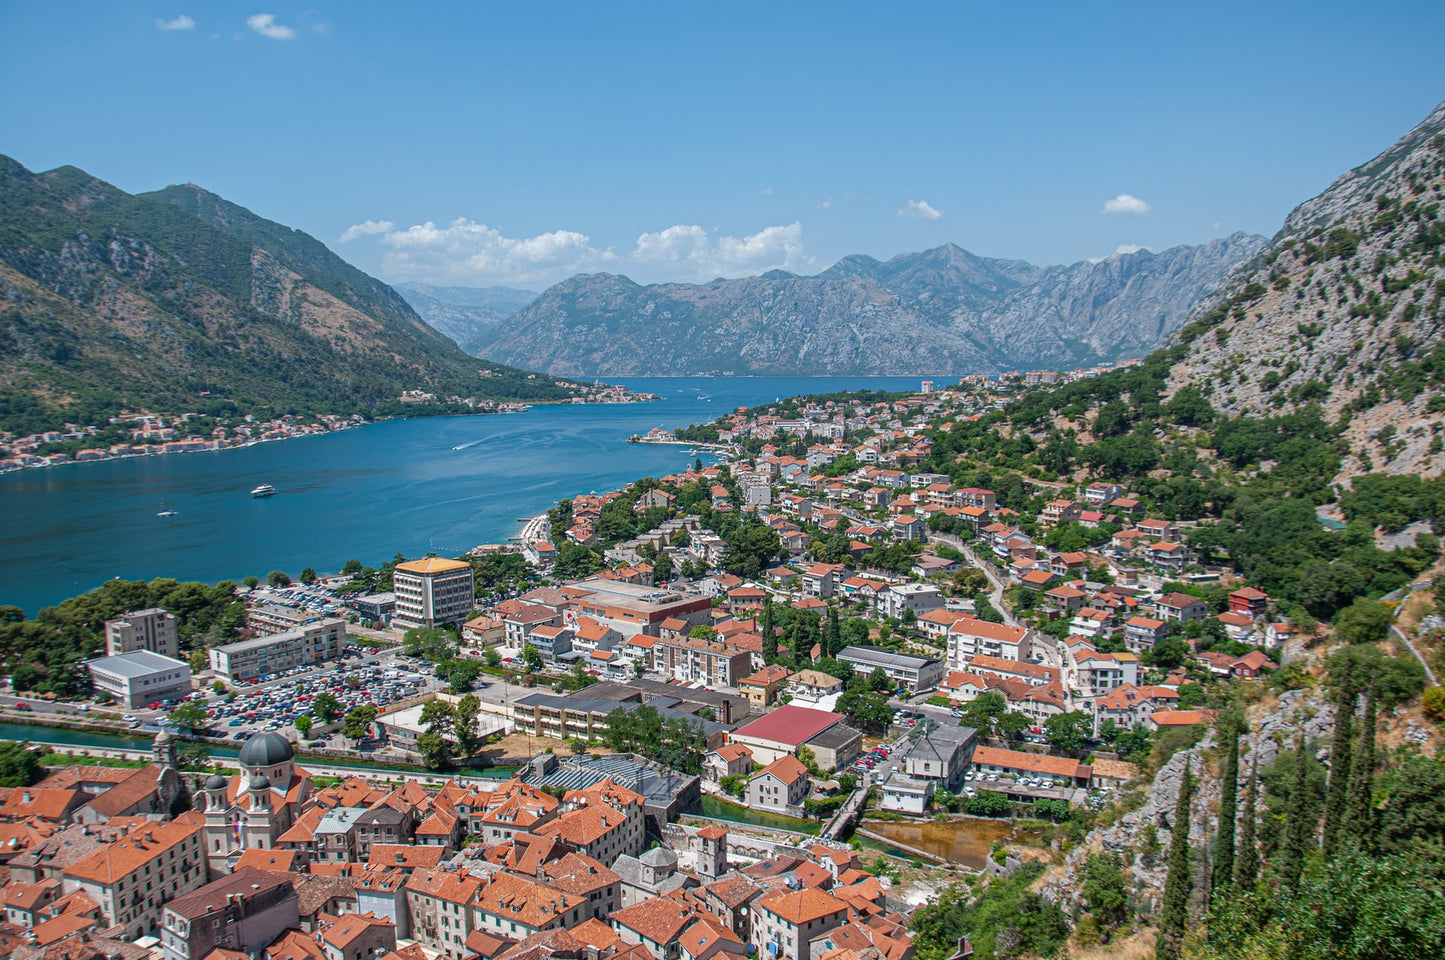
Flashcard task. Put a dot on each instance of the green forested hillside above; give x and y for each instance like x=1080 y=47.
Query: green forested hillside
x=179 y=300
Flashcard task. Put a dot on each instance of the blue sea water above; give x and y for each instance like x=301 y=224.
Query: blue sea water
x=398 y=486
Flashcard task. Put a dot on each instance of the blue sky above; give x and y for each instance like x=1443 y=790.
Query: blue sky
x=518 y=143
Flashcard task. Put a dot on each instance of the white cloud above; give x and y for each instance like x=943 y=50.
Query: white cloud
x=766 y=192
x=921 y=209
x=265 y=24
x=693 y=254
x=1126 y=203
x=1129 y=248
x=826 y=204
x=182 y=22
x=464 y=251
x=367 y=228
x=1216 y=225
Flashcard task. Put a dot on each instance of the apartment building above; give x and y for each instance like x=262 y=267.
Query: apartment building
x=131 y=878
x=906 y=670
x=243 y=912
x=152 y=629
x=786 y=921
x=307 y=645
x=692 y=660
x=432 y=591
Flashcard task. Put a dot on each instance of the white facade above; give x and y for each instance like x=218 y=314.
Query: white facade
x=139 y=678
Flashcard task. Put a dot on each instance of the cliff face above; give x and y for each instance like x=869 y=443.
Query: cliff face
x=943 y=310
x=1343 y=309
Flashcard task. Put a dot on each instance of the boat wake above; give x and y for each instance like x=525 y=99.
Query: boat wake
x=468 y=444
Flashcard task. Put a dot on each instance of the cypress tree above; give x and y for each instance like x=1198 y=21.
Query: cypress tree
x=832 y=635
x=1297 y=824
x=1228 y=801
x=1246 y=864
x=1359 y=811
x=1338 y=786
x=770 y=635
x=1176 y=885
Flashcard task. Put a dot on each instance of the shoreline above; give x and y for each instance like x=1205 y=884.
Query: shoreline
x=309 y=434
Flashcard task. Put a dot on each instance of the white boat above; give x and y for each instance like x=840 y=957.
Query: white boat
x=264 y=490
x=168 y=512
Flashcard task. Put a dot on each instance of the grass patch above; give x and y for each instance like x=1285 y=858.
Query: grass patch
x=71 y=760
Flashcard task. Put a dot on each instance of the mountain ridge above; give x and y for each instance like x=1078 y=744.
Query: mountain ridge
x=179 y=300
x=965 y=312
x=1342 y=309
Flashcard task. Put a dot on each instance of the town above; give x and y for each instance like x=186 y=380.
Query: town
x=700 y=714
x=141 y=434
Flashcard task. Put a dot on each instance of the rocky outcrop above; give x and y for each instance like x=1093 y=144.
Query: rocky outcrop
x=943 y=310
x=1343 y=309
x=1297 y=713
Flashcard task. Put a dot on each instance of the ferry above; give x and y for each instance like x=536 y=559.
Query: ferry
x=264 y=490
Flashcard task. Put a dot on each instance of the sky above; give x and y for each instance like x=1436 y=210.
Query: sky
x=516 y=144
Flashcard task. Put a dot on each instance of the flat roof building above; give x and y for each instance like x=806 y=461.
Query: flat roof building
x=432 y=591
x=141 y=677
x=915 y=673
x=632 y=608
x=152 y=629
x=305 y=646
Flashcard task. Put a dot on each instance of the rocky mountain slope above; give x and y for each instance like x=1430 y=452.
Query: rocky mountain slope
x=179 y=300
x=464 y=313
x=943 y=310
x=1343 y=308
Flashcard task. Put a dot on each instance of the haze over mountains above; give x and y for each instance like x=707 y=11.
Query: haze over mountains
x=946 y=310
x=464 y=313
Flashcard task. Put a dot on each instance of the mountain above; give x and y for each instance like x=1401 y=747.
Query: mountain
x=462 y=313
x=1343 y=308
x=180 y=300
x=943 y=310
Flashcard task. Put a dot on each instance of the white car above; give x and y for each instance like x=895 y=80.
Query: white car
x=968 y=776
x=993 y=776
x=128 y=718
x=969 y=791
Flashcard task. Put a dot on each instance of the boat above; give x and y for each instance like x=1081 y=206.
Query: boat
x=264 y=490
x=167 y=512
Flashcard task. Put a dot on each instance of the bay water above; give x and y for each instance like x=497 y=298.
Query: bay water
x=442 y=484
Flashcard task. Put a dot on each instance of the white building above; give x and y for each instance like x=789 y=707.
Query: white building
x=141 y=677
x=153 y=630
x=305 y=646
x=432 y=591
x=902 y=597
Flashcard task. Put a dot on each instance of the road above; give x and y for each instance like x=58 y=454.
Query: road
x=1418 y=585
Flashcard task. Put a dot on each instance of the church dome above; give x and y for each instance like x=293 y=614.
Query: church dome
x=260 y=783
x=217 y=782
x=266 y=750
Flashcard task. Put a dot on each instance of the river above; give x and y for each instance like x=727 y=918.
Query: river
x=965 y=841
x=403 y=486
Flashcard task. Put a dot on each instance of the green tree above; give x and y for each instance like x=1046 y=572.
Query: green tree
x=464 y=724
x=326 y=707
x=19 y=765
x=1364 y=621
x=1069 y=732
x=189 y=715
x=1175 y=910
x=1223 y=866
x=532 y=657
x=303 y=725
x=251 y=582
x=278 y=578
x=1167 y=654
x=1105 y=890
x=435 y=750
x=1359 y=807
x=769 y=630
x=351 y=567
x=437 y=716
x=1337 y=790
x=308 y=575
x=1246 y=862
x=1011 y=726
x=878 y=681
x=1299 y=822
x=357 y=723
x=491 y=657
x=988 y=803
